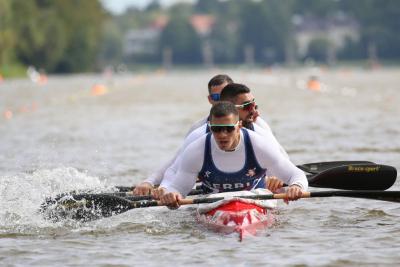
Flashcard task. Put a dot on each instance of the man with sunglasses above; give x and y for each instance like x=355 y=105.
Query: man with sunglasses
x=230 y=158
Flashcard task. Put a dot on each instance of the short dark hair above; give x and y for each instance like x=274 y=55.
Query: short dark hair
x=222 y=109
x=232 y=90
x=218 y=80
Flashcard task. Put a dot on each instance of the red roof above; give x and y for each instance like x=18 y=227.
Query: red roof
x=202 y=23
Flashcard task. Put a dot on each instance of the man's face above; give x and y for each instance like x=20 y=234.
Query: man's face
x=247 y=108
x=226 y=131
x=216 y=90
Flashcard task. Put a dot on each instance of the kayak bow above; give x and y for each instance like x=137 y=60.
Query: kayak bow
x=238 y=215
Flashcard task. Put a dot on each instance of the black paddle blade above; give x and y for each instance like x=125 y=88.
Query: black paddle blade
x=83 y=207
x=318 y=167
x=356 y=177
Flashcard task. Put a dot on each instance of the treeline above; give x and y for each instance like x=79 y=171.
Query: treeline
x=265 y=31
x=75 y=36
x=54 y=35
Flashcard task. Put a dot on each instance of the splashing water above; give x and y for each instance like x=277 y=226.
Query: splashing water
x=22 y=194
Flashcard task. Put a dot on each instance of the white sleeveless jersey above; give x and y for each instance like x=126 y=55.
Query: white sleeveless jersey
x=267 y=153
x=197 y=130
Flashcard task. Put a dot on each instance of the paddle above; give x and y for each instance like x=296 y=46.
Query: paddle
x=346 y=175
x=88 y=207
x=312 y=168
x=128 y=195
x=392 y=196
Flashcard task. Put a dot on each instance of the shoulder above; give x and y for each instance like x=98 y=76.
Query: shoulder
x=261 y=130
x=194 y=152
x=194 y=135
x=196 y=125
x=261 y=143
x=253 y=135
x=196 y=144
x=260 y=122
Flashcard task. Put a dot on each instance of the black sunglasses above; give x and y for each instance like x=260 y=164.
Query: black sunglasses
x=218 y=128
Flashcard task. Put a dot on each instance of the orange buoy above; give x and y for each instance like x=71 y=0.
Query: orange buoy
x=99 y=89
x=8 y=114
x=313 y=84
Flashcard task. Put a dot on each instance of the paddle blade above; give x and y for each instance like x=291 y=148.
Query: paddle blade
x=356 y=177
x=318 y=167
x=83 y=207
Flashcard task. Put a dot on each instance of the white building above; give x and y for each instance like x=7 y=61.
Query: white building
x=335 y=30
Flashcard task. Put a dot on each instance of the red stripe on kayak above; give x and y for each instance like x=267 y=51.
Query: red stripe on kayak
x=237 y=206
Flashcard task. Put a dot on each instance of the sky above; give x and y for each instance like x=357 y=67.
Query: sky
x=119 y=6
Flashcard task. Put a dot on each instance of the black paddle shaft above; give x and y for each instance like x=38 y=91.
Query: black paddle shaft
x=392 y=196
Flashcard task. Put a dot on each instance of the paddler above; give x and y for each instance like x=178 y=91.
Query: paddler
x=232 y=158
x=238 y=94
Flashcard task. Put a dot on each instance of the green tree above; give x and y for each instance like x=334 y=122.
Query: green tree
x=224 y=40
x=47 y=52
x=224 y=35
x=182 y=39
x=82 y=28
x=7 y=37
x=316 y=8
x=28 y=30
x=379 y=20
x=318 y=49
x=206 y=6
x=153 y=6
x=57 y=35
x=111 y=44
x=267 y=27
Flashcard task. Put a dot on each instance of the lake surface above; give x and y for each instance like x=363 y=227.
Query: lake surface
x=68 y=134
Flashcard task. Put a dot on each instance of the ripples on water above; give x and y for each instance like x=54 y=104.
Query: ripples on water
x=62 y=137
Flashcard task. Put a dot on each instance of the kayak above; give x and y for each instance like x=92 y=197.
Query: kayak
x=238 y=215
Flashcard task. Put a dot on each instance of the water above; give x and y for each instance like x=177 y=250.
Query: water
x=63 y=137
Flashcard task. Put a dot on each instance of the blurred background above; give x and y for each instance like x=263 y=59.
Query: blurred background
x=101 y=93
x=96 y=35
